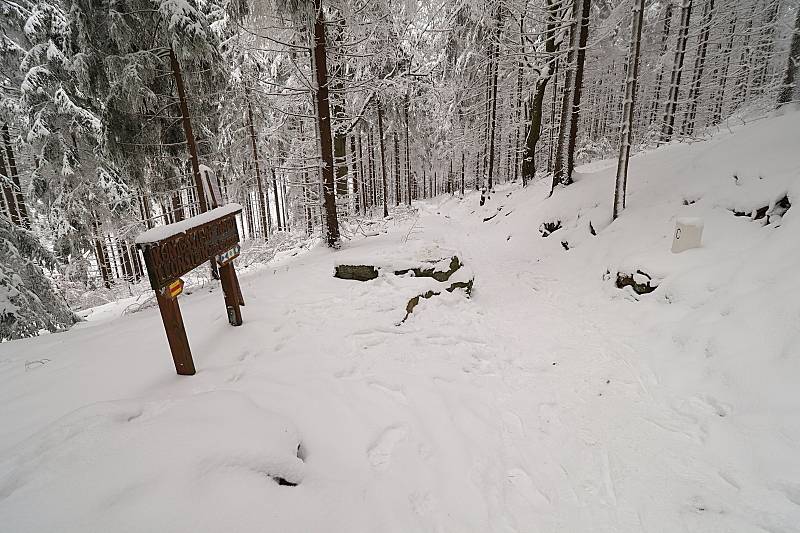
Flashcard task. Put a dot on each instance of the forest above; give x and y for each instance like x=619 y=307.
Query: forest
x=319 y=117
x=469 y=266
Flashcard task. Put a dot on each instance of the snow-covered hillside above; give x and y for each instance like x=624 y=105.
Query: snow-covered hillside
x=549 y=401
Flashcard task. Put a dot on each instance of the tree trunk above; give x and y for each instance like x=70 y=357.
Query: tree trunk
x=100 y=253
x=259 y=183
x=660 y=74
x=14 y=175
x=363 y=176
x=463 y=163
x=354 y=174
x=324 y=127
x=372 y=174
x=668 y=125
x=337 y=107
x=766 y=46
x=275 y=195
x=630 y=103
x=8 y=193
x=570 y=107
x=723 y=77
x=397 y=184
x=518 y=112
x=577 y=90
x=177 y=207
x=285 y=204
x=553 y=124
x=408 y=155
x=450 y=189
x=187 y=130
x=699 y=65
x=786 y=93
x=340 y=156
x=307 y=207
x=535 y=105
x=494 y=60
x=383 y=159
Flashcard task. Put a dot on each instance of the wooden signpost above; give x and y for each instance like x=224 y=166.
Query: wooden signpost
x=173 y=250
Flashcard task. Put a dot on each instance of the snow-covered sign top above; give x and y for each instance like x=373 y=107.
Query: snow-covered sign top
x=170 y=230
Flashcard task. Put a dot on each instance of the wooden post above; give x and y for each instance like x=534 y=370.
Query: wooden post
x=176 y=334
x=232 y=292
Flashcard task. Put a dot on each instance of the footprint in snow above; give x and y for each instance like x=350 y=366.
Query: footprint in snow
x=380 y=453
x=520 y=484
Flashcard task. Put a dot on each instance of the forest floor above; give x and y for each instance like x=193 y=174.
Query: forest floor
x=550 y=400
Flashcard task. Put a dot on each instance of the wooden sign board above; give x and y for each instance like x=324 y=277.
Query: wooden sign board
x=173 y=250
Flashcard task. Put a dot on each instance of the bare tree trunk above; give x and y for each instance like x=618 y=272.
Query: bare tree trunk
x=766 y=45
x=720 y=96
x=187 y=130
x=699 y=65
x=259 y=182
x=307 y=215
x=553 y=124
x=100 y=253
x=742 y=91
x=177 y=207
x=660 y=74
x=463 y=164
x=570 y=108
x=8 y=193
x=408 y=154
x=630 y=103
x=337 y=105
x=397 y=185
x=558 y=159
x=786 y=93
x=494 y=60
x=668 y=125
x=537 y=98
x=14 y=175
x=577 y=90
x=324 y=127
x=277 y=201
x=383 y=159
x=285 y=204
x=363 y=175
x=450 y=188
x=373 y=174
x=354 y=174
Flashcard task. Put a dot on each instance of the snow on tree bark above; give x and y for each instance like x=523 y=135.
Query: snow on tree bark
x=630 y=103
x=677 y=70
x=324 y=127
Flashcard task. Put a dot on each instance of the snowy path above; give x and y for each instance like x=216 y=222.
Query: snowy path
x=525 y=408
x=566 y=382
x=591 y=441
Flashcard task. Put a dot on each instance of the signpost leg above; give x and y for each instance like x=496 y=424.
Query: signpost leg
x=233 y=299
x=176 y=334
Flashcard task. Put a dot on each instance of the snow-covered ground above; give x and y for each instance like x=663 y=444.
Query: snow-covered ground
x=548 y=401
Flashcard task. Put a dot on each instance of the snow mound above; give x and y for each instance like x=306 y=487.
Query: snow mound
x=105 y=466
